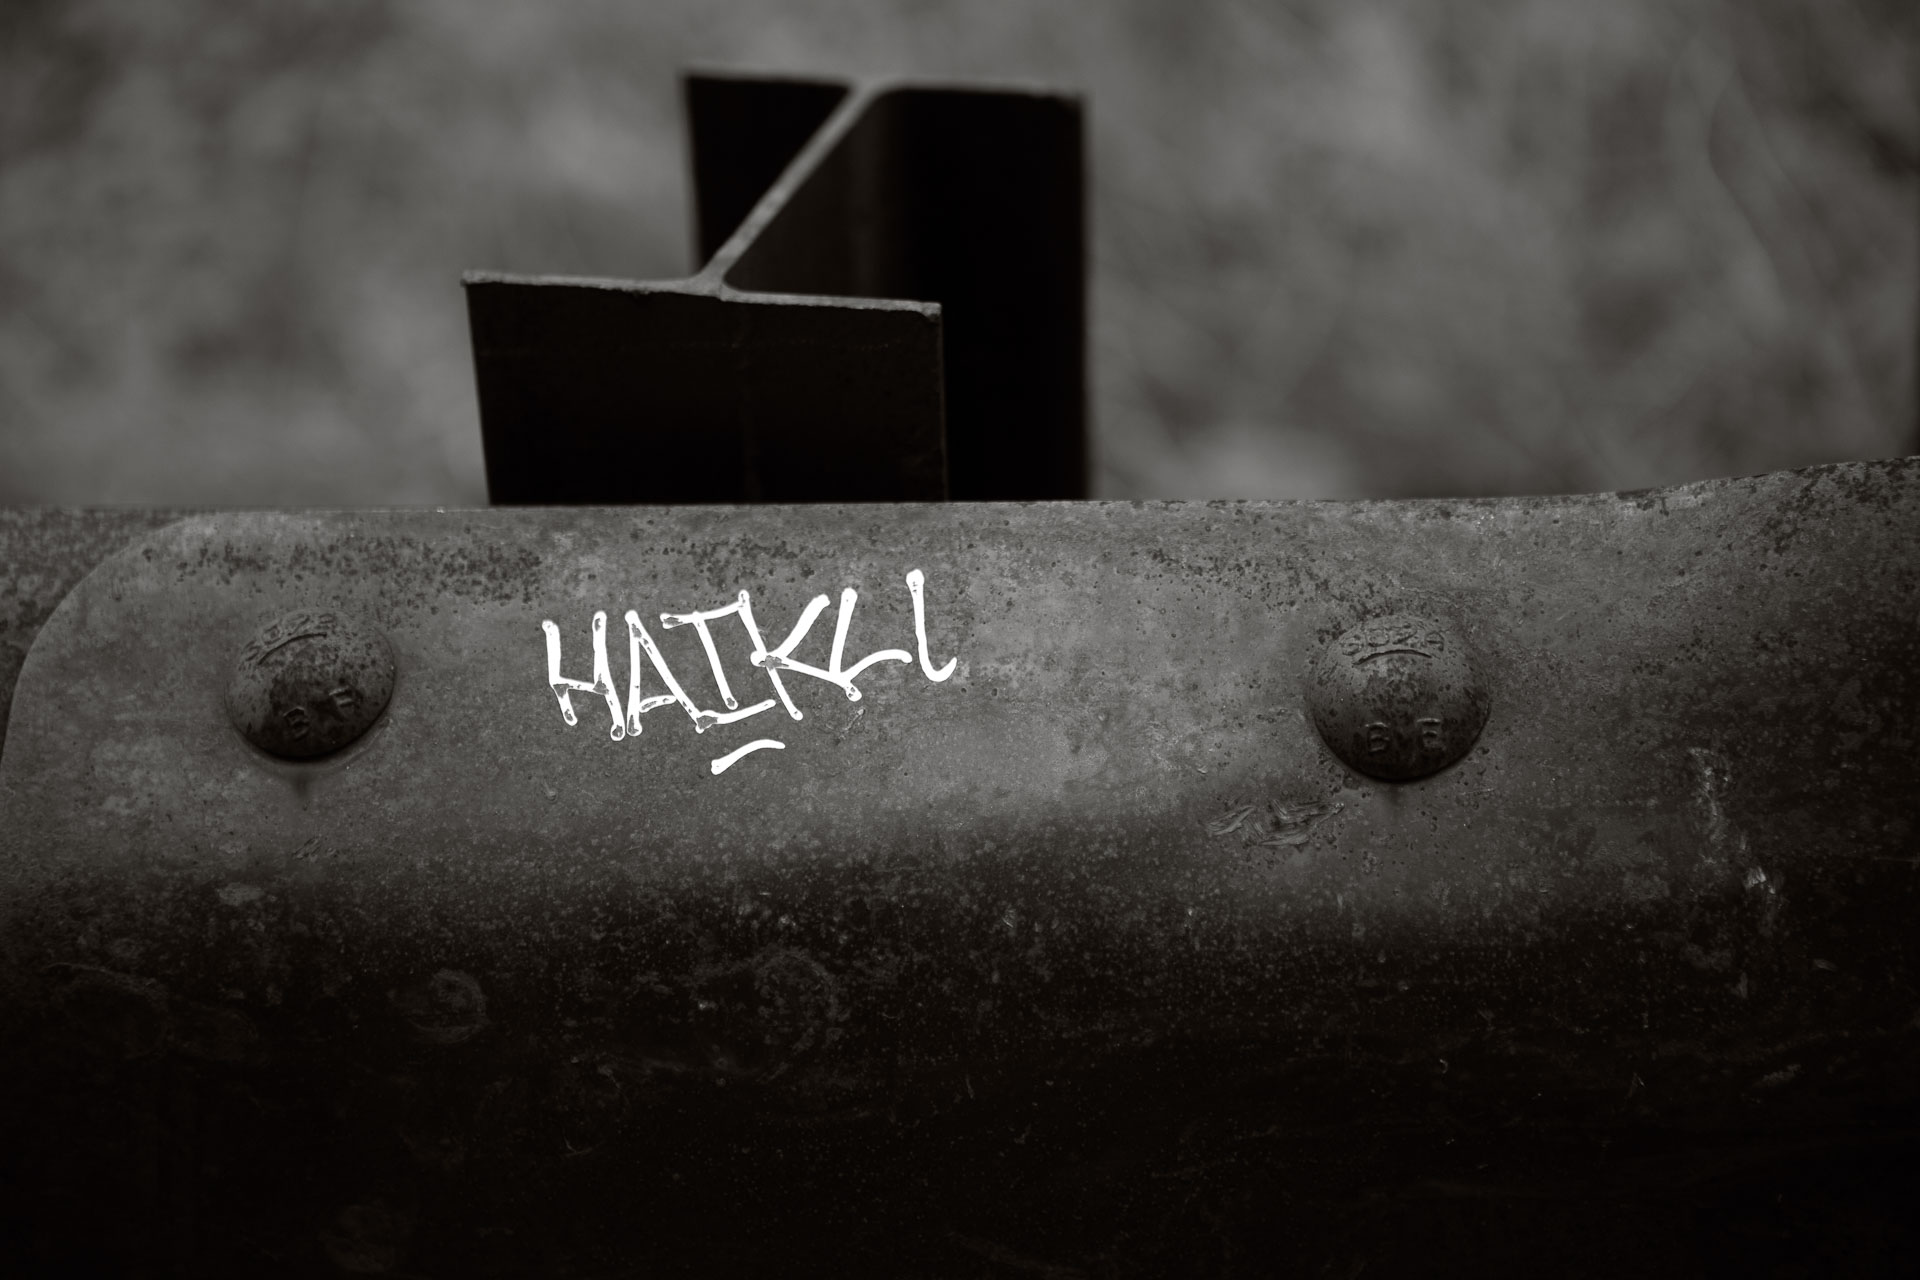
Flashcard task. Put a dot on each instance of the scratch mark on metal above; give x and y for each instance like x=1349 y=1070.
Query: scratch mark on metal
x=1231 y=822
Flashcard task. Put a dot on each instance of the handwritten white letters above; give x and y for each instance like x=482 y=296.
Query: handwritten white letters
x=772 y=661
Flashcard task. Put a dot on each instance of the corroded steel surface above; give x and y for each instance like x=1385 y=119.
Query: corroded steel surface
x=42 y=554
x=1084 y=952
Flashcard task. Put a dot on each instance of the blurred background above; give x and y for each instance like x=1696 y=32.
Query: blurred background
x=1341 y=248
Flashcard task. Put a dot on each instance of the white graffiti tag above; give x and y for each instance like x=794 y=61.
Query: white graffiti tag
x=626 y=721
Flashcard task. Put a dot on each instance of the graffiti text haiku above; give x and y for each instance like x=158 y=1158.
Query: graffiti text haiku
x=776 y=662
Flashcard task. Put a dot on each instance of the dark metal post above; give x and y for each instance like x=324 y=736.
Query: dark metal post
x=899 y=316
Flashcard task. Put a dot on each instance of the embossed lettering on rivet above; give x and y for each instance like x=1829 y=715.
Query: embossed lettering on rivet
x=1397 y=698
x=309 y=682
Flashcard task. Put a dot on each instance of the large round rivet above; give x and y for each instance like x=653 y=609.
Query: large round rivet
x=309 y=682
x=1397 y=698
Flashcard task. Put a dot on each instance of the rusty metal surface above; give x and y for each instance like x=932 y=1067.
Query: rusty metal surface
x=892 y=308
x=43 y=552
x=1089 y=955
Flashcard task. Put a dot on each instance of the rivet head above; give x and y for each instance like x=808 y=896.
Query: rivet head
x=1398 y=698
x=309 y=682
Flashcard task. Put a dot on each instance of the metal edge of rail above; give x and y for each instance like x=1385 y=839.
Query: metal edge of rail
x=1190 y=885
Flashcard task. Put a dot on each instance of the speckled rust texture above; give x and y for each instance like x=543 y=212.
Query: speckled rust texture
x=43 y=552
x=1090 y=933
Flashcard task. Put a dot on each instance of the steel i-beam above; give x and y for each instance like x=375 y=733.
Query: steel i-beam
x=892 y=308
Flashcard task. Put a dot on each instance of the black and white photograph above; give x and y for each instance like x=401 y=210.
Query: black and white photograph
x=1083 y=639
